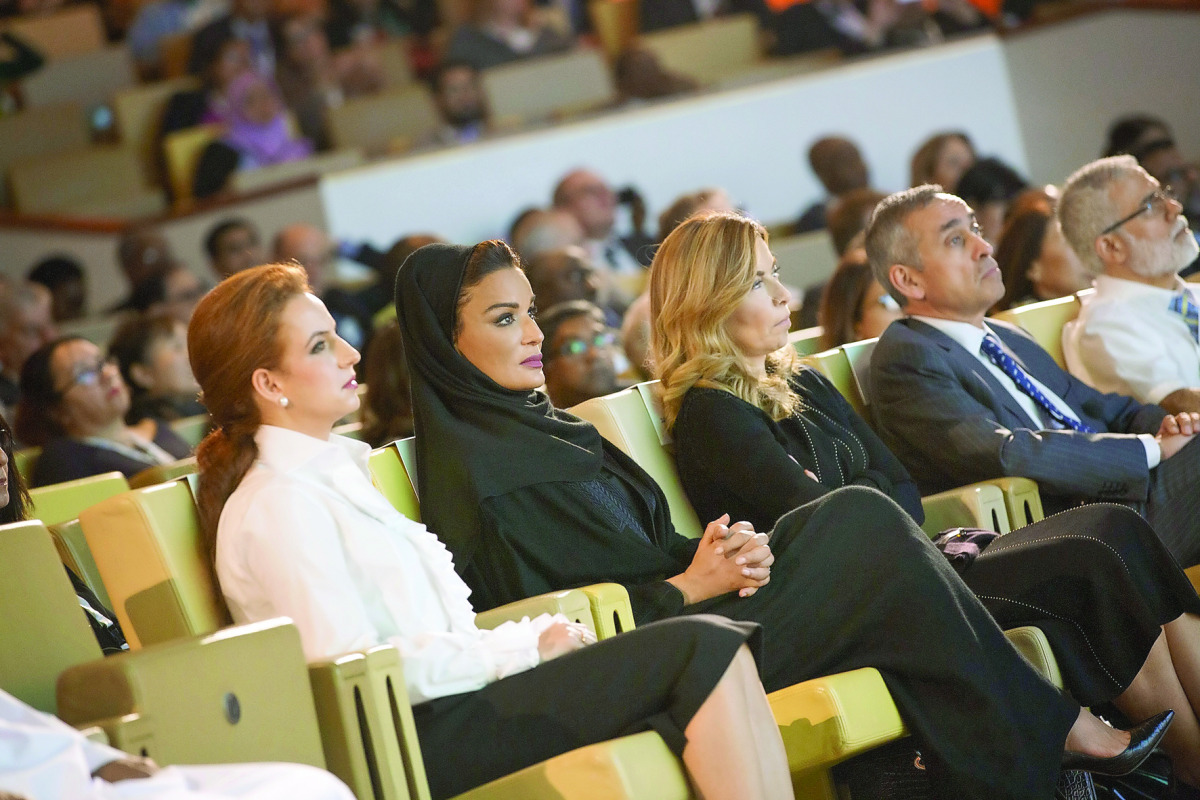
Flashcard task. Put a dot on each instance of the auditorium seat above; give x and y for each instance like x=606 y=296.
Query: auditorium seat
x=138 y=113
x=807 y=340
x=708 y=51
x=255 y=180
x=181 y=153
x=37 y=132
x=391 y=478
x=392 y=120
x=70 y=31
x=75 y=554
x=1044 y=322
x=90 y=79
x=804 y=259
x=549 y=87
x=60 y=502
x=163 y=473
x=191 y=429
x=99 y=178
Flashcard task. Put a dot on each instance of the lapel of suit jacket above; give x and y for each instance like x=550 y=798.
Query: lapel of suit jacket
x=970 y=368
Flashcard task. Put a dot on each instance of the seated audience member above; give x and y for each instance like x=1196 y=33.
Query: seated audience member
x=296 y=528
x=942 y=159
x=962 y=400
x=258 y=136
x=589 y=199
x=247 y=22
x=558 y=276
x=461 y=103
x=1150 y=141
x=854 y=306
x=25 y=325
x=142 y=251
x=45 y=759
x=734 y=392
x=387 y=415
x=849 y=217
x=579 y=357
x=379 y=296
x=311 y=248
x=1138 y=333
x=840 y=168
x=537 y=230
x=1035 y=261
x=174 y=292
x=64 y=277
x=989 y=186
x=151 y=352
x=233 y=245
x=313 y=80
x=209 y=103
x=528 y=499
x=14 y=507
x=1130 y=132
x=501 y=31
x=358 y=22
x=160 y=19
x=713 y=199
x=669 y=13
x=640 y=74
x=73 y=405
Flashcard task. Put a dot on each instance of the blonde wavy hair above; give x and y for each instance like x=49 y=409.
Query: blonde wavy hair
x=700 y=275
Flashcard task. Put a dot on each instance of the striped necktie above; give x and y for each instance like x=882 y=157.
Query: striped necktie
x=1183 y=305
x=992 y=349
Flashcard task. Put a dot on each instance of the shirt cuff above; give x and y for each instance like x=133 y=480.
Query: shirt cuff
x=1153 y=451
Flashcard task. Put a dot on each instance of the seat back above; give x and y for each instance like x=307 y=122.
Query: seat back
x=40 y=131
x=807 y=341
x=391 y=120
x=155 y=564
x=632 y=420
x=390 y=477
x=394 y=62
x=60 y=502
x=138 y=111
x=68 y=32
x=616 y=23
x=804 y=259
x=253 y=180
x=74 y=552
x=42 y=628
x=88 y=78
x=191 y=429
x=68 y=180
x=407 y=448
x=1044 y=321
x=181 y=151
x=708 y=51
x=834 y=365
x=162 y=473
x=551 y=86
x=858 y=356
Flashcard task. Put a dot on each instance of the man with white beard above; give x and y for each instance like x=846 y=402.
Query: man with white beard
x=1138 y=334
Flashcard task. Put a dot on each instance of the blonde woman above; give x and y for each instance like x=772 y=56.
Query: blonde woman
x=734 y=393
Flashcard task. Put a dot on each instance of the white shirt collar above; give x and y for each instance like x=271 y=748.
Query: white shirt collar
x=286 y=450
x=966 y=334
x=1110 y=286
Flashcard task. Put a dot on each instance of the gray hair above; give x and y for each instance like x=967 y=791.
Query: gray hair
x=889 y=241
x=1086 y=207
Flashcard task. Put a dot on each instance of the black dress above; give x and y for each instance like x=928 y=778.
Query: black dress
x=1096 y=580
x=529 y=498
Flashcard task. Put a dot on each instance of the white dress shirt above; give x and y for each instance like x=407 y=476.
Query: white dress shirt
x=1126 y=339
x=971 y=338
x=43 y=758
x=307 y=536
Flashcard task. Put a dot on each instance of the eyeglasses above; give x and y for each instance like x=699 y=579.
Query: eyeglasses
x=88 y=374
x=577 y=347
x=1154 y=203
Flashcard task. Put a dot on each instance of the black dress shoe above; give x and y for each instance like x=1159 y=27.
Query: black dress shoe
x=1143 y=739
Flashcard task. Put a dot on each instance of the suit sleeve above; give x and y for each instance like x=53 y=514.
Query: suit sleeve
x=943 y=420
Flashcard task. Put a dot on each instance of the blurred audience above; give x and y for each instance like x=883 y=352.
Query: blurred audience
x=64 y=277
x=160 y=19
x=461 y=102
x=537 y=230
x=174 y=293
x=1130 y=132
x=258 y=135
x=26 y=324
x=839 y=166
x=210 y=102
x=501 y=31
x=854 y=306
x=246 y=21
x=989 y=186
x=151 y=352
x=641 y=75
x=579 y=354
x=233 y=245
x=588 y=198
x=849 y=217
x=712 y=199
x=1035 y=260
x=942 y=159
x=357 y=22
x=311 y=248
x=557 y=276
x=73 y=405
x=142 y=251
x=387 y=412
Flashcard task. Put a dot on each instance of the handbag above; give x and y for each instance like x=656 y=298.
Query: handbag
x=961 y=546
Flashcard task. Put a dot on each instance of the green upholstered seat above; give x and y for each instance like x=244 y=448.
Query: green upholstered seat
x=60 y=502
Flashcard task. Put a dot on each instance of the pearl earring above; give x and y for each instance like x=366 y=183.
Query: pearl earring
x=283 y=401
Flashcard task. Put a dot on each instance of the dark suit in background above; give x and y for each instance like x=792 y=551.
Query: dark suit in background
x=951 y=422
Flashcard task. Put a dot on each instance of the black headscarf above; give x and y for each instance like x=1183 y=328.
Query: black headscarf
x=475 y=439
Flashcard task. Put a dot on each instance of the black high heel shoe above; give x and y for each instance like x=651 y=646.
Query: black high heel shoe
x=1143 y=739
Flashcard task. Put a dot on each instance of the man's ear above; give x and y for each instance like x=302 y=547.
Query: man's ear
x=1111 y=249
x=141 y=376
x=908 y=281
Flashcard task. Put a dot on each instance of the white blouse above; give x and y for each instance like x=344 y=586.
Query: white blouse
x=307 y=536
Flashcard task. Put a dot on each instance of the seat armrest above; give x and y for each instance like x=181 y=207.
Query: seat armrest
x=571 y=603
x=1035 y=647
x=1022 y=500
x=977 y=505
x=611 y=608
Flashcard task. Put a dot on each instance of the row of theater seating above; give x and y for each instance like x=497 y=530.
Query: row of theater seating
x=149 y=563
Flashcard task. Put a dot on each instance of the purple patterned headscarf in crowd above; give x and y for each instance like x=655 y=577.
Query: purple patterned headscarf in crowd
x=259 y=143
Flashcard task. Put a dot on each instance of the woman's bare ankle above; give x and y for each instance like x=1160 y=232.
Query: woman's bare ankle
x=1092 y=736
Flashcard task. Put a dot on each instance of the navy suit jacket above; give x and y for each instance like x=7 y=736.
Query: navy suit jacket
x=951 y=422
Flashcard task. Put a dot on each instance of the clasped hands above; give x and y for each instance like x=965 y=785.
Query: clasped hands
x=729 y=558
x=1176 y=431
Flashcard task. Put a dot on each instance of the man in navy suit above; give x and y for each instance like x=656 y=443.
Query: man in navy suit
x=960 y=400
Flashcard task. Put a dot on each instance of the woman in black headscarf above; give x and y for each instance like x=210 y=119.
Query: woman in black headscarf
x=531 y=499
